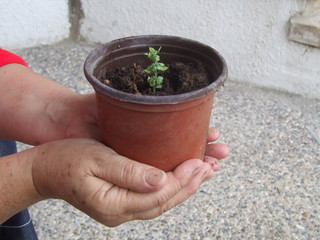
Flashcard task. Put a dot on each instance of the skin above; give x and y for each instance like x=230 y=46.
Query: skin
x=68 y=162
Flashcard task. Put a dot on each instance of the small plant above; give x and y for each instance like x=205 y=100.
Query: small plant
x=155 y=81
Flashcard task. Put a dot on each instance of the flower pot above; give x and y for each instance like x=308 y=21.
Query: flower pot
x=162 y=131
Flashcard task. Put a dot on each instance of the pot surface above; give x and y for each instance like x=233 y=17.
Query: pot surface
x=162 y=131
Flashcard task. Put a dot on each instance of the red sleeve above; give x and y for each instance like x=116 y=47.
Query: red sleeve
x=8 y=57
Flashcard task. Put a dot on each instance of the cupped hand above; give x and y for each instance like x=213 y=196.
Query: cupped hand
x=108 y=187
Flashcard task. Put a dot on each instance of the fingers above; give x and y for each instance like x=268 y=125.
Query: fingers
x=130 y=174
x=217 y=150
x=188 y=177
x=182 y=183
x=213 y=162
x=213 y=134
x=128 y=205
x=177 y=180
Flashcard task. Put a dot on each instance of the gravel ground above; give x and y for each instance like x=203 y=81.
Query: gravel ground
x=267 y=189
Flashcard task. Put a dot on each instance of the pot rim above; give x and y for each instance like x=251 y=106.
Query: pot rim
x=91 y=63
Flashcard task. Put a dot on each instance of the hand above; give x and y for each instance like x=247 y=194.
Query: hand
x=215 y=151
x=44 y=110
x=79 y=117
x=108 y=187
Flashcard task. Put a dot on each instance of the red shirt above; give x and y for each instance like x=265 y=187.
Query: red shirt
x=8 y=57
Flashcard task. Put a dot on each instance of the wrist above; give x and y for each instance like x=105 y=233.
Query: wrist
x=17 y=189
x=74 y=116
x=33 y=101
x=58 y=115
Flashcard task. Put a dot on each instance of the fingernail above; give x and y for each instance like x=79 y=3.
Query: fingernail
x=153 y=176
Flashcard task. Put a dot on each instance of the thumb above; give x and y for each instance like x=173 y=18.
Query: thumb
x=129 y=174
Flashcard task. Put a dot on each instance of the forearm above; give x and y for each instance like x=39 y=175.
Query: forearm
x=17 y=190
x=31 y=105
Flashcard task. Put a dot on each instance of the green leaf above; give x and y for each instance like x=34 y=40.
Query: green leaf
x=152 y=81
x=154 y=58
x=153 y=51
x=155 y=66
x=155 y=81
x=159 y=81
x=161 y=67
x=148 y=69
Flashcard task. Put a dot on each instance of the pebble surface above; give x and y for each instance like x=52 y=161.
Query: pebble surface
x=268 y=188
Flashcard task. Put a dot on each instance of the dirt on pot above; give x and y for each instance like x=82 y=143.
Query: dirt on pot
x=178 y=78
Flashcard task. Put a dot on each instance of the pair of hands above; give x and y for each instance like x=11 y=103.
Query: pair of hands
x=70 y=163
x=111 y=188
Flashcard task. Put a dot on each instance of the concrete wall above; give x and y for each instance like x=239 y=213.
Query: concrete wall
x=28 y=23
x=251 y=34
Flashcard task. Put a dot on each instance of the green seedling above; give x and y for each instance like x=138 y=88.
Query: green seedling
x=154 y=80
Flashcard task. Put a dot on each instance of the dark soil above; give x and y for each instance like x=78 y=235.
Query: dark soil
x=179 y=78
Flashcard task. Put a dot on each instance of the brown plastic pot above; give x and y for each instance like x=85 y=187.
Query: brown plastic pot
x=162 y=131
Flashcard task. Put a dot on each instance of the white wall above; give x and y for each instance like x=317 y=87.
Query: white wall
x=28 y=23
x=251 y=34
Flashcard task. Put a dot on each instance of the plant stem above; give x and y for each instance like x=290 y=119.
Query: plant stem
x=154 y=87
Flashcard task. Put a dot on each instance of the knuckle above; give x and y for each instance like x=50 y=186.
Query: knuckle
x=128 y=172
x=161 y=199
